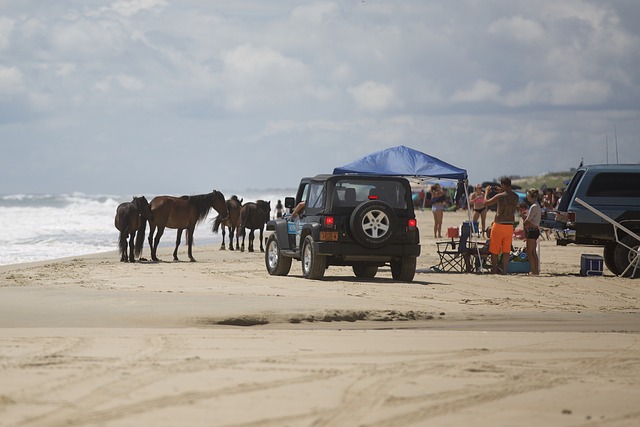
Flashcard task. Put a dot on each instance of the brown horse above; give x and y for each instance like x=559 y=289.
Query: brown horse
x=131 y=219
x=182 y=213
x=232 y=222
x=254 y=216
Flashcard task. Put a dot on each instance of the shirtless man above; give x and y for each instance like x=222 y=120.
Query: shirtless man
x=502 y=229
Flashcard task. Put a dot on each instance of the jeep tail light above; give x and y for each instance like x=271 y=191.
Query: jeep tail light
x=328 y=221
x=373 y=197
x=412 y=223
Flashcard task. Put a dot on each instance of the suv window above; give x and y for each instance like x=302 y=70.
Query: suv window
x=615 y=185
x=571 y=189
x=350 y=193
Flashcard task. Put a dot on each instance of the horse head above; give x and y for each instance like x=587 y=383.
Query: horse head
x=219 y=204
x=265 y=207
x=143 y=207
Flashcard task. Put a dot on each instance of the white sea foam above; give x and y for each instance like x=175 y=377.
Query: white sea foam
x=43 y=227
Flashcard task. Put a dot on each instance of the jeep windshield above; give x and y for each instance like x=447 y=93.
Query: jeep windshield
x=350 y=193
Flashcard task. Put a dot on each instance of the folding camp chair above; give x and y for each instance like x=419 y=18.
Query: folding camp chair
x=451 y=259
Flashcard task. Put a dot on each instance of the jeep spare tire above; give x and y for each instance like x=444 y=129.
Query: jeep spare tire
x=373 y=223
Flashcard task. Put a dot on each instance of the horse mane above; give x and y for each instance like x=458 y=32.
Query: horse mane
x=201 y=203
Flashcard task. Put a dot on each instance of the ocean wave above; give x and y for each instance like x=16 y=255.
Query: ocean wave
x=39 y=227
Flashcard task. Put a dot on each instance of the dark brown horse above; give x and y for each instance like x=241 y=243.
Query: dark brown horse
x=131 y=219
x=182 y=213
x=232 y=222
x=254 y=216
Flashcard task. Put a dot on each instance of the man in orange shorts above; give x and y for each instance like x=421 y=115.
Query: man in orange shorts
x=502 y=228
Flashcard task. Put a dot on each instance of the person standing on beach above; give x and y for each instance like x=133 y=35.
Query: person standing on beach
x=502 y=229
x=437 y=207
x=279 y=209
x=532 y=231
x=476 y=200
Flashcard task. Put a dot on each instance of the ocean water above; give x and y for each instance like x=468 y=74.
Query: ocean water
x=51 y=226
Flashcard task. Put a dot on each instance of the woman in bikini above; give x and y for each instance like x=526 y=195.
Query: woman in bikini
x=532 y=230
x=479 y=209
x=437 y=207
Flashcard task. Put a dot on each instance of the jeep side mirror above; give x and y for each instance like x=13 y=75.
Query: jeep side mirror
x=289 y=202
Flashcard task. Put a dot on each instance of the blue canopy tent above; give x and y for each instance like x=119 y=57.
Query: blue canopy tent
x=403 y=161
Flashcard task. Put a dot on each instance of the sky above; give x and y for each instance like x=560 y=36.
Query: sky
x=182 y=97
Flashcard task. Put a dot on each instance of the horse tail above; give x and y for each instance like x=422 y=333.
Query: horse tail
x=140 y=237
x=216 y=224
x=244 y=213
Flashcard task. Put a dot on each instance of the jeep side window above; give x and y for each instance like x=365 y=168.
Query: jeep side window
x=316 y=196
x=615 y=185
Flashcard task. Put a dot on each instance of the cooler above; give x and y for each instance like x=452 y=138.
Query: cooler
x=518 y=267
x=591 y=265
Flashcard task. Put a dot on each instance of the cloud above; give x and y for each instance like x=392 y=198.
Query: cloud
x=583 y=93
x=518 y=28
x=124 y=81
x=255 y=76
x=131 y=7
x=373 y=96
x=11 y=80
x=480 y=91
x=6 y=28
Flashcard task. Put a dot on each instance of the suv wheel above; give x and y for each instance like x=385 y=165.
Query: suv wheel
x=365 y=271
x=372 y=224
x=403 y=269
x=277 y=264
x=624 y=257
x=609 y=255
x=313 y=265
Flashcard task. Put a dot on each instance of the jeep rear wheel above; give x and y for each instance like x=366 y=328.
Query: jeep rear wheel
x=403 y=269
x=373 y=223
x=365 y=271
x=625 y=257
x=313 y=265
x=277 y=264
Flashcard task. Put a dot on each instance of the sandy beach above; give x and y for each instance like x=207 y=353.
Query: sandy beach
x=90 y=341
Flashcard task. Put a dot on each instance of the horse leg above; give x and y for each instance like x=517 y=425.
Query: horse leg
x=222 y=248
x=156 y=241
x=152 y=229
x=261 y=239
x=242 y=246
x=178 y=238
x=235 y=229
x=190 y=243
x=132 y=236
x=122 y=246
x=231 y=231
x=251 y=237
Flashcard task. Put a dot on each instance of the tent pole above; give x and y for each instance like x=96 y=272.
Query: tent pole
x=466 y=194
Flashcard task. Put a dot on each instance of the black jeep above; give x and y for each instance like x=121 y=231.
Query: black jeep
x=362 y=221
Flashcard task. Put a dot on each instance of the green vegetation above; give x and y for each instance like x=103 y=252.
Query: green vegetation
x=550 y=180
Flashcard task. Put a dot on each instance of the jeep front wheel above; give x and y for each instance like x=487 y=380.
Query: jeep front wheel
x=627 y=259
x=403 y=269
x=373 y=223
x=313 y=265
x=277 y=264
